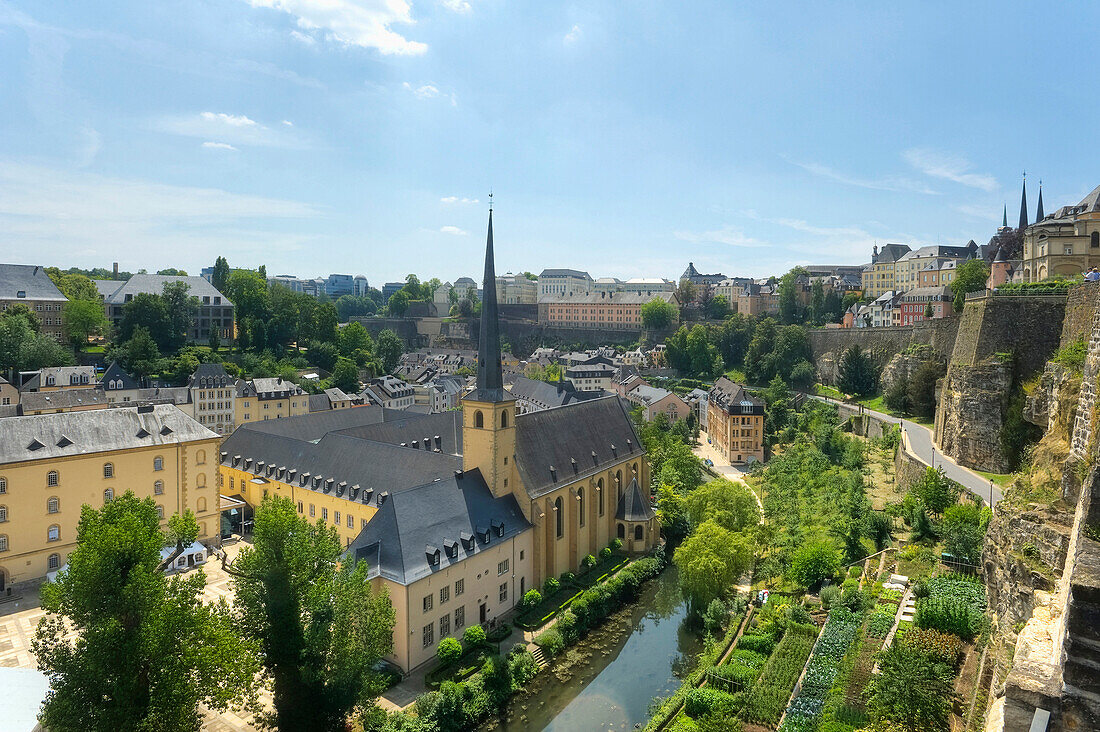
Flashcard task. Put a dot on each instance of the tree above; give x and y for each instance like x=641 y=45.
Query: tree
x=935 y=490
x=921 y=389
x=325 y=323
x=817 y=302
x=856 y=374
x=704 y=358
x=672 y=514
x=388 y=350
x=348 y=306
x=182 y=310
x=23 y=348
x=354 y=337
x=219 y=278
x=789 y=286
x=929 y=312
x=74 y=286
x=150 y=312
x=733 y=339
x=711 y=560
x=448 y=651
x=345 y=376
x=970 y=276
x=718 y=307
x=172 y=272
x=214 y=340
x=148 y=650
x=399 y=303
x=912 y=689
x=320 y=625
x=658 y=314
x=777 y=406
x=814 y=561
x=248 y=291
x=140 y=354
x=84 y=318
x=730 y=505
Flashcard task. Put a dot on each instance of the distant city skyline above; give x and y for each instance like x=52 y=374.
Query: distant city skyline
x=363 y=137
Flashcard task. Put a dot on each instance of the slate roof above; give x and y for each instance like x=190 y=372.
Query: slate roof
x=154 y=285
x=553 y=437
x=590 y=370
x=211 y=376
x=613 y=298
x=731 y=396
x=550 y=394
x=99 y=430
x=402 y=427
x=29 y=279
x=34 y=401
x=315 y=425
x=319 y=403
x=62 y=377
x=564 y=273
x=107 y=288
x=891 y=253
x=341 y=462
x=649 y=394
x=632 y=506
x=115 y=372
x=436 y=516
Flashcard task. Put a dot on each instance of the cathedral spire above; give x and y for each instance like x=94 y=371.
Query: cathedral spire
x=1039 y=211
x=1004 y=221
x=490 y=380
x=1023 y=205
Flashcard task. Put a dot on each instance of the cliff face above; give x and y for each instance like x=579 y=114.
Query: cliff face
x=905 y=364
x=971 y=412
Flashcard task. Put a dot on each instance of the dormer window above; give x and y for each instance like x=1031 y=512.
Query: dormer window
x=467 y=539
x=452 y=548
x=432 y=554
x=498 y=527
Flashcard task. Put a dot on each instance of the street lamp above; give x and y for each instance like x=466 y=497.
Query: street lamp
x=991 y=494
x=933 y=457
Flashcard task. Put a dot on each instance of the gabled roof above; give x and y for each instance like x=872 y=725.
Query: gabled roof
x=314 y=425
x=211 y=376
x=154 y=285
x=116 y=374
x=554 y=438
x=550 y=394
x=632 y=507
x=401 y=426
x=36 y=401
x=731 y=396
x=29 y=279
x=650 y=394
x=565 y=273
x=47 y=436
x=453 y=518
x=62 y=376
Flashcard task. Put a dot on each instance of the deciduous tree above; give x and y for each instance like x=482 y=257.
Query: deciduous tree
x=84 y=318
x=711 y=560
x=658 y=314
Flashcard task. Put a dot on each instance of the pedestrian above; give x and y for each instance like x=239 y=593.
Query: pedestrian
x=1092 y=275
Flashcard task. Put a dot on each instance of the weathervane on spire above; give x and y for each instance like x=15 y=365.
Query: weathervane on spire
x=490 y=199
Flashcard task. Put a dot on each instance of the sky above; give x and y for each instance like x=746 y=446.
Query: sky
x=625 y=138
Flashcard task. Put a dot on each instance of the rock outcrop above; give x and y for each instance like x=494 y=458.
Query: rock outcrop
x=971 y=411
x=904 y=365
x=1052 y=405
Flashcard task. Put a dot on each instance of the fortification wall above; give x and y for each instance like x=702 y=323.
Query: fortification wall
x=938 y=333
x=1081 y=306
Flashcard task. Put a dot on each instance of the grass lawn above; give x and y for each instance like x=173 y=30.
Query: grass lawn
x=95 y=349
x=736 y=375
x=1001 y=479
x=827 y=391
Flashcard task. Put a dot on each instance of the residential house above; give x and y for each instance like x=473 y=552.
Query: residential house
x=654 y=400
x=389 y=392
x=57 y=378
x=532 y=395
x=30 y=286
x=878 y=276
x=269 y=398
x=912 y=306
x=516 y=289
x=735 y=422
x=882 y=309
x=697 y=399
x=441 y=393
x=593 y=375
x=213 y=394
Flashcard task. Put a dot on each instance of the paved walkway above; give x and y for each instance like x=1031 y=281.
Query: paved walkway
x=918 y=440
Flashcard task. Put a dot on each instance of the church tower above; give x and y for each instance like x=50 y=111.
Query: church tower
x=1039 y=208
x=489 y=412
x=1023 y=205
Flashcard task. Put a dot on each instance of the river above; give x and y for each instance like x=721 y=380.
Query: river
x=607 y=681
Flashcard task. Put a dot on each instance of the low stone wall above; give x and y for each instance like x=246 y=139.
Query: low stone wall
x=908 y=469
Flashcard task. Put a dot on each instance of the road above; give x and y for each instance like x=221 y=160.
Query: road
x=919 y=441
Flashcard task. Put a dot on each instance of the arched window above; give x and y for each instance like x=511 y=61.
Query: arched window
x=580 y=504
x=52 y=478
x=201 y=504
x=158 y=488
x=3 y=484
x=53 y=505
x=108 y=470
x=559 y=517
x=1094 y=239
x=53 y=533
x=3 y=542
x=200 y=457
x=622 y=531
x=160 y=512
x=479 y=419
x=108 y=495
x=54 y=561
x=200 y=480
x=504 y=418
x=3 y=514
x=158 y=463
x=599 y=492
x=638 y=532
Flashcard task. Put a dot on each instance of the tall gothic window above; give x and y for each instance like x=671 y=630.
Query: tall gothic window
x=559 y=518
x=479 y=419
x=580 y=504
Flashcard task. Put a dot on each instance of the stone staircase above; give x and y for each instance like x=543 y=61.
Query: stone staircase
x=540 y=657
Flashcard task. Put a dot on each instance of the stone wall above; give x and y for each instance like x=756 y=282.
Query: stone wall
x=908 y=469
x=938 y=333
x=1081 y=306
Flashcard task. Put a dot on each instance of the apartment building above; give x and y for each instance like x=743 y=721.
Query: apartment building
x=735 y=422
x=616 y=311
x=215 y=312
x=29 y=285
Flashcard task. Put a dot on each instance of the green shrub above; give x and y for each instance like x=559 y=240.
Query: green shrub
x=762 y=644
x=569 y=627
x=938 y=646
x=588 y=562
x=522 y=667
x=703 y=701
x=550 y=641
x=605 y=553
x=448 y=651
x=949 y=615
x=715 y=616
x=829 y=596
x=473 y=636
x=568 y=578
x=550 y=586
x=615 y=544
x=532 y=598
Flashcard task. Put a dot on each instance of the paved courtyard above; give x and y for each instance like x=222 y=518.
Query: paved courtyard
x=19 y=618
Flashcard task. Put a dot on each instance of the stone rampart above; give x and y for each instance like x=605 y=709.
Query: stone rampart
x=1081 y=306
x=938 y=333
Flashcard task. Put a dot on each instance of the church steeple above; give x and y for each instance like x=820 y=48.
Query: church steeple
x=490 y=380
x=1023 y=205
x=1004 y=221
x=1039 y=210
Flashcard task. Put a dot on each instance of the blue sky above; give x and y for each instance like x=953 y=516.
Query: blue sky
x=624 y=138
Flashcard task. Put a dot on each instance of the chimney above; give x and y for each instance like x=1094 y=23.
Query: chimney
x=115 y=271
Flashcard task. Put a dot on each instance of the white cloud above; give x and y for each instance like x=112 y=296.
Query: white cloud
x=454 y=230
x=288 y=123
x=425 y=91
x=219 y=146
x=954 y=168
x=303 y=38
x=888 y=183
x=232 y=129
x=363 y=23
x=456 y=199
x=457 y=6
x=63 y=215
x=726 y=235
x=233 y=120
x=573 y=35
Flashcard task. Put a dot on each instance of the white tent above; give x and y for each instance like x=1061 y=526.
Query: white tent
x=193 y=554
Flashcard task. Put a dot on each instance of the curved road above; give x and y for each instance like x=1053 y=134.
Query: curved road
x=918 y=439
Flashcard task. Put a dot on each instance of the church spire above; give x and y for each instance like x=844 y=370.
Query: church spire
x=1039 y=211
x=1004 y=221
x=490 y=380
x=1023 y=205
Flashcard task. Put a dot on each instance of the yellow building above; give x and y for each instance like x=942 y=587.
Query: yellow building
x=879 y=276
x=261 y=399
x=1064 y=244
x=735 y=422
x=52 y=464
